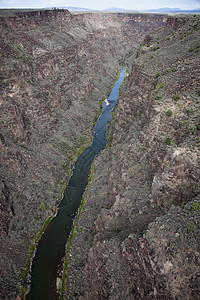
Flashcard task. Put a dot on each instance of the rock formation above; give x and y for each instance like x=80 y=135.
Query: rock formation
x=143 y=203
x=141 y=240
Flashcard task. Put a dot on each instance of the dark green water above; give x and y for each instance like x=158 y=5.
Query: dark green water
x=51 y=247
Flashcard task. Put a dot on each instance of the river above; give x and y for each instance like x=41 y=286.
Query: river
x=51 y=247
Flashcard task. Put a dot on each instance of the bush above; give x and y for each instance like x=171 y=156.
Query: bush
x=169 y=113
x=174 y=69
x=162 y=85
x=157 y=75
x=176 y=97
x=168 y=70
x=168 y=140
x=195 y=207
x=189 y=111
x=43 y=206
x=192 y=129
x=157 y=97
x=198 y=91
x=191 y=226
x=191 y=49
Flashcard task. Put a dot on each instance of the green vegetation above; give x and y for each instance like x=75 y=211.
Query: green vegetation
x=73 y=234
x=195 y=207
x=157 y=97
x=191 y=49
x=157 y=75
x=198 y=91
x=174 y=69
x=31 y=251
x=168 y=70
x=168 y=140
x=176 y=97
x=156 y=48
x=162 y=85
x=169 y=113
x=144 y=148
x=192 y=129
x=43 y=206
x=191 y=226
x=189 y=111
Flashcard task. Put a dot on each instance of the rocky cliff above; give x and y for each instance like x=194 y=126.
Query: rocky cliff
x=55 y=68
x=139 y=235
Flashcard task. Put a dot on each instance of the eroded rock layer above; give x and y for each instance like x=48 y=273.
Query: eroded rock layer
x=139 y=234
x=55 y=68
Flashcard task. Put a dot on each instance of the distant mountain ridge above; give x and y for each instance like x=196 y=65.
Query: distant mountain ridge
x=172 y=10
x=118 y=9
x=115 y=9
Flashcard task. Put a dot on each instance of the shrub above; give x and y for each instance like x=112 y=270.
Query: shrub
x=189 y=111
x=144 y=148
x=157 y=75
x=162 y=85
x=191 y=49
x=43 y=206
x=168 y=140
x=191 y=227
x=192 y=129
x=174 y=69
x=195 y=207
x=176 y=97
x=169 y=113
x=168 y=70
x=198 y=91
x=157 y=97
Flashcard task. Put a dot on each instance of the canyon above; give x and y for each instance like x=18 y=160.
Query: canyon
x=138 y=234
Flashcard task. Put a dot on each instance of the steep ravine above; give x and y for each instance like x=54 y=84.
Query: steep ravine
x=139 y=233
x=55 y=68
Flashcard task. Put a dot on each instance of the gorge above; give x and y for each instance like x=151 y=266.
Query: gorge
x=138 y=234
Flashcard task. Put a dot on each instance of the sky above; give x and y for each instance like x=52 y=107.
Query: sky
x=126 y=4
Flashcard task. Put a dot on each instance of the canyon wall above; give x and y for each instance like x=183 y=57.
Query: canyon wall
x=55 y=68
x=138 y=237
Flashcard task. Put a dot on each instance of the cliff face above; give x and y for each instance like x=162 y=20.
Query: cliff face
x=55 y=68
x=143 y=204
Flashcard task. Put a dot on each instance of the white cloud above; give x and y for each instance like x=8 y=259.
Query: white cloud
x=7 y=2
